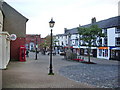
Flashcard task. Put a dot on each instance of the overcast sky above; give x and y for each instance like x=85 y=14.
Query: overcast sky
x=65 y=13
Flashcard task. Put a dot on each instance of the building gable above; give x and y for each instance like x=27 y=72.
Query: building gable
x=14 y=22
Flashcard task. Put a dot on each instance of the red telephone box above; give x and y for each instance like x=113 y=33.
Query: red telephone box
x=22 y=53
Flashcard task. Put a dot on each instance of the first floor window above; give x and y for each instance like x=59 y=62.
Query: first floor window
x=117 y=30
x=117 y=41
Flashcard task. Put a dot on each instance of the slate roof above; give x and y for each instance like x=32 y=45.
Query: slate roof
x=72 y=31
x=107 y=23
x=60 y=34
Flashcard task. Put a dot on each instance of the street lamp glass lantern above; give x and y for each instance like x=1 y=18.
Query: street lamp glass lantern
x=51 y=23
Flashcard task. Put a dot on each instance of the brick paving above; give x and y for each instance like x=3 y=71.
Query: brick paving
x=34 y=74
x=103 y=74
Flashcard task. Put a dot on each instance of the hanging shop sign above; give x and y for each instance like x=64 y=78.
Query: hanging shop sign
x=13 y=37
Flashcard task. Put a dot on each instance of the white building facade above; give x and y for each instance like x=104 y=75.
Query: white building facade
x=111 y=45
x=108 y=48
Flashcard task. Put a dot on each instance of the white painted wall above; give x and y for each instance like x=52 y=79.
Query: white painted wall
x=1 y=24
x=1 y=21
x=111 y=36
x=73 y=39
x=5 y=50
x=57 y=43
x=73 y=36
x=62 y=39
x=4 y=46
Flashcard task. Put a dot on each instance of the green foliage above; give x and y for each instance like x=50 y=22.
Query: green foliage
x=90 y=34
x=73 y=55
x=47 y=41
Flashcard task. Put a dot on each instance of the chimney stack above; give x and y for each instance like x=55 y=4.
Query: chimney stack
x=93 y=20
x=65 y=29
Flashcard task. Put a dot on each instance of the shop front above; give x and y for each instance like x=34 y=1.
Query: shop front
x=103 y=52
x=115 y=53
x=76 y=49
x=84 y=51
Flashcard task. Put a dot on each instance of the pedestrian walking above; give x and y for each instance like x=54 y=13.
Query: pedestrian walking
x=27 y=53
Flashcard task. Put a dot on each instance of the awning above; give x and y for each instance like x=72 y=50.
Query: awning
x=68 y=47
x=117 y=48
x=103 y=47
x=84 y=47
x=76 y=47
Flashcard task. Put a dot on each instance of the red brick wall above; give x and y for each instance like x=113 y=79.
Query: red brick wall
x=15 y=48
x=32 y=38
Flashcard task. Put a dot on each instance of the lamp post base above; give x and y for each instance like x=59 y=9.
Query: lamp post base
x=50 y=73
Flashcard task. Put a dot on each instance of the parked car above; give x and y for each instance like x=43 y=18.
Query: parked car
x=62 y=53
x=53 y=52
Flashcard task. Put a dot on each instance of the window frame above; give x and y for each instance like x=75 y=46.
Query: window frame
x=117 y=30
x=117 y=42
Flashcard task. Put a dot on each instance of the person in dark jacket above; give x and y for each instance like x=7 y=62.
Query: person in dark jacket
x=27 y=53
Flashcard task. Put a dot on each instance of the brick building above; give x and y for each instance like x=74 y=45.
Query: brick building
x=32 y=40
x=14 y=23
x=11 y=22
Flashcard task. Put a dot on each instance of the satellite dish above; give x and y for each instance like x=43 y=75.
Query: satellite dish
x=13 y=37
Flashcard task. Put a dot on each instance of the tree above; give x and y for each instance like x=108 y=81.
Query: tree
x=47 y=42
x=89 y=35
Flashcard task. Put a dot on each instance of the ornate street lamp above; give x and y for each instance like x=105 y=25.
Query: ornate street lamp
x=51 y=24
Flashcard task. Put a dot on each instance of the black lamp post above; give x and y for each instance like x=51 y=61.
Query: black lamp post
x=51 y=23
x=36 y=49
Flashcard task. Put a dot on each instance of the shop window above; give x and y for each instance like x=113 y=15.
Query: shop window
x=100 y=52
x=106 y=52
x=117 y=54
x=85 y=52
x=103 y=52
x=76 y=42
x=113 y=54
x=105 y=31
